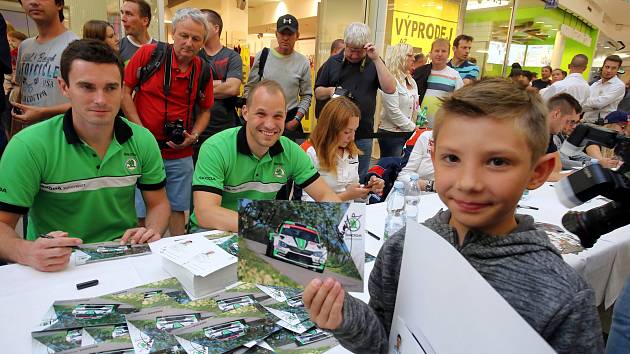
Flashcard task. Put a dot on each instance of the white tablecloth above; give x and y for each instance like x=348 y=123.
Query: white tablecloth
x=26 y=294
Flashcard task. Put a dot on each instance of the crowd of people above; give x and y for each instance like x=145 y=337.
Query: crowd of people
x=119 y=140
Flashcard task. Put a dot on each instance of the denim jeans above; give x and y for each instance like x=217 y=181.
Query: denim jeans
x=365 y=145
x=392 y=146
x=619 y=338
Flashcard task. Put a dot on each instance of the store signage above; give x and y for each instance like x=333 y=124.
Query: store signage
x=576 y=35
x=411 y=23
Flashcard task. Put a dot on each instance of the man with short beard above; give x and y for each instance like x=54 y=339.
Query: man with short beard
x=606 y=93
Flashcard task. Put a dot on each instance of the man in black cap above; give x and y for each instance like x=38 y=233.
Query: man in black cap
x=290 y=69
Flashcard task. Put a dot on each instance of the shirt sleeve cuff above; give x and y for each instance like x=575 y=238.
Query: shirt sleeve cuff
x=152 y=187
x=14 y=209
x=208 y=189
x=309 y=181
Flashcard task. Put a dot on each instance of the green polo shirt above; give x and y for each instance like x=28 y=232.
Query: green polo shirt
x=227 y=167
x=49 y=172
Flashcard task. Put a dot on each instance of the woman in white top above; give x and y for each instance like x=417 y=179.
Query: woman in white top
x=399 y=109
x=332 y=149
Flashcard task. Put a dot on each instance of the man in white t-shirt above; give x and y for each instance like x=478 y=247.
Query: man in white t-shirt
x=442 y=81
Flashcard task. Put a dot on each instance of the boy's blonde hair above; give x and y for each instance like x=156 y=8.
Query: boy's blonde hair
x=499 y=99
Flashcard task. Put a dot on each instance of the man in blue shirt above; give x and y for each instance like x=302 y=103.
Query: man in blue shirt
x=461 y=49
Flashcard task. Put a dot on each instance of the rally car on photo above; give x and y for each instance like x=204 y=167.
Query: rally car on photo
x=112 y=249
x=93 y=311
x=235 y=302
x=226 y=331
x=150 y=294
x=176 y=321
x=299 y=244
x=120 y=330
x=312 y=336
x=295 y=301
x=74 y=336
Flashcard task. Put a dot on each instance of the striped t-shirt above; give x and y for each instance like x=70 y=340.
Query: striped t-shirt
x=439 y=84
x=466 y=70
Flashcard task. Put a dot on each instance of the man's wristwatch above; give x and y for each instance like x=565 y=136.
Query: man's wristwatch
x=196 y=135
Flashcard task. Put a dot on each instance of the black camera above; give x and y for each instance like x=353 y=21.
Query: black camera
x=342 y=92
x=594 y=180
x=174 y=131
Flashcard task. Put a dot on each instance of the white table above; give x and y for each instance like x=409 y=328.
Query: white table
x=26 y=294
x=605 y=266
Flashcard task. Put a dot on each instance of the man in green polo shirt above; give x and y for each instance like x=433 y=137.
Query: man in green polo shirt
x=251 y=162
x=76 y=173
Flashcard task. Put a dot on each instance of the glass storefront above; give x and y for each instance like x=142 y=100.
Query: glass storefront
x=540 y=36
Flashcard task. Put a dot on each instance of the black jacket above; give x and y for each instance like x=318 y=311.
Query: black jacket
x=421 y=75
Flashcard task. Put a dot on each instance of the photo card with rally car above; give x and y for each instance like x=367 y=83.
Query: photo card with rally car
x=105 y=251
x=289 y=243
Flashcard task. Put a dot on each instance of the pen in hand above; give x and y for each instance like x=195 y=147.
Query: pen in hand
x=52 y=237
x=526 y=207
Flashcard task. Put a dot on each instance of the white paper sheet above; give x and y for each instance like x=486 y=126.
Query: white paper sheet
x=434 y=304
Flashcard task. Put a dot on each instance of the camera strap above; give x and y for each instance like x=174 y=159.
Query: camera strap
x=167 y=85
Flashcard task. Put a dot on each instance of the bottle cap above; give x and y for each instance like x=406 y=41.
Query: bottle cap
x=398 y=184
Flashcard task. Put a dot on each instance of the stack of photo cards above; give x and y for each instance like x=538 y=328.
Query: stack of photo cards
x=105 y=251
x=289 y=243
x=564 y=241
x=200 y=264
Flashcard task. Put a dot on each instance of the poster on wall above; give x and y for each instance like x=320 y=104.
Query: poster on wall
x=496 y=52
x=410 y=23
x=539 y=55
x=517 y=54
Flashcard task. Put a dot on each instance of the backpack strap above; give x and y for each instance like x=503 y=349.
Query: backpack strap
x=153 y=65
x=262 y=62
x=203 y=78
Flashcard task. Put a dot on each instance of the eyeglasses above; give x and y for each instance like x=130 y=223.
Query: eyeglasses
x=355 y=50
x=573 y=122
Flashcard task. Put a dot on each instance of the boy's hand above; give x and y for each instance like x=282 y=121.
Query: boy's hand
x=324 y=302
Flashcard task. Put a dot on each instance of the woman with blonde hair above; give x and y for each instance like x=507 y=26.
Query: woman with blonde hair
x=399 y=109
x=103 y=31
x=333 y=152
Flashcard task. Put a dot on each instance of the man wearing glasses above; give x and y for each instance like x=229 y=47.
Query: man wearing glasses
x=358 y=72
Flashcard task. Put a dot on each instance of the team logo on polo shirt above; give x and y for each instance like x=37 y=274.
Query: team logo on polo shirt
x=131 y=164
x=279 y=172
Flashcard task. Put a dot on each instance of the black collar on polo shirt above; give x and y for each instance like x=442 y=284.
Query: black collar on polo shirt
x=122 y=131
x=243 y=148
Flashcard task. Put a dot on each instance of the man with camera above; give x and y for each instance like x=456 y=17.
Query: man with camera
x=227 y=74
x=164 y=103
x=357 y=72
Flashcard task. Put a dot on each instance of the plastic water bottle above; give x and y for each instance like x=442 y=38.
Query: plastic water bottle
x=412 y=198
x=395 y=210
x=422 y=116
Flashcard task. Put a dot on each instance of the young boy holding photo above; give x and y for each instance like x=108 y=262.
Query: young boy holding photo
x=490 y=142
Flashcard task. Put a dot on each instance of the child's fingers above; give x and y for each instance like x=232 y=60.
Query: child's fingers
x=324 y=313
x=319 y=298
x=310 y=291
x=336 y=312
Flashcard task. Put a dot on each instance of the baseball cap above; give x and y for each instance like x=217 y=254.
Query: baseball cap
x=620 y=117
x=287 y=22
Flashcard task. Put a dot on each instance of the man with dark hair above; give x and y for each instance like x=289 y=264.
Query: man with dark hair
x=337 y=46
x=606 y=93
x=419 y=60
x=522 y=78
x=574 y=84
x=461 y=49
x=545 y=79
x=78 y=183
x=227 y=73
x=562 y=108
x=135 y=16
x=38 y=63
